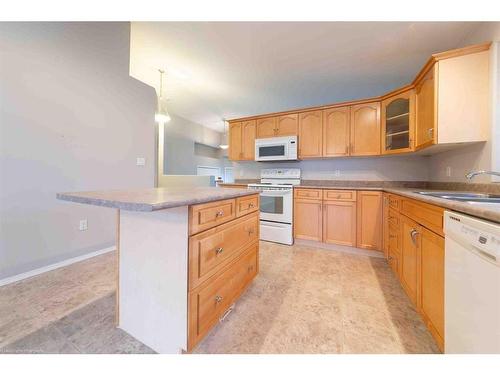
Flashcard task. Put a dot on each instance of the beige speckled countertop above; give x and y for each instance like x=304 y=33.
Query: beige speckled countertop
x=153 y=199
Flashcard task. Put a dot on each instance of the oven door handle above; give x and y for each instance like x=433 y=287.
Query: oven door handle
x=275 y=193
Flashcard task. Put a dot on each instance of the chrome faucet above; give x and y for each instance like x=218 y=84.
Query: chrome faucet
x=473 y=174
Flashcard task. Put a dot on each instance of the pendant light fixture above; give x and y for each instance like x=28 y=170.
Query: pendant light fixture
x=161 y=115
x=223 y=143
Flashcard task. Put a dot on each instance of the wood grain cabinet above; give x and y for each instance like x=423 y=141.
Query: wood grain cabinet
x=266 y=127
x=339 y=222
x=336 y=131
x=310 y=134
x=365 y=129
x=308 y=219
x=398 y=123
x=369 y=220
x=410 y=232
x=242 y=140
x=426 y=119
x=287 y=125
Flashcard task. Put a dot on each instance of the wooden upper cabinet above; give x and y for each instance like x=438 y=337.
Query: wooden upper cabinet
x=398 y=123
x=235 y=151
x=410 y=249
x=432 y=283
x=369 y=220
x=425 y=109
x=287 y=125
x=365 y=129
x=248 y=132
x=310 y=134
x=336 y=126
x=266 y=127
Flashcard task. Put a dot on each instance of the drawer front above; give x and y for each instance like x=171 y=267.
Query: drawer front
x=208 y=215
x=209 y=302
x=393 y=217
x=213 y=249
x=394 y=202
x=395 y=263
x=425 y=214
x=246 y=205
x=394 y=243
x=339 y=195
x=308 y=193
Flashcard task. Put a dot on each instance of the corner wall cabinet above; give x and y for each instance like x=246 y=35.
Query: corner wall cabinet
x=446 y=105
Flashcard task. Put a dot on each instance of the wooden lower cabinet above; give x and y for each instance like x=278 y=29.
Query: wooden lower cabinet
x=369 y=220
x=223 y=259
x=308 y=219
x=210 y=302
x=432 y=283
x=339 y=222
x=415 y=249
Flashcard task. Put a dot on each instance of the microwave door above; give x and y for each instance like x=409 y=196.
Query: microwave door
x=272 y=152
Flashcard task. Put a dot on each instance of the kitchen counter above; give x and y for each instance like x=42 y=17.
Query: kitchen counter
x=153 y=199
x=482 y=211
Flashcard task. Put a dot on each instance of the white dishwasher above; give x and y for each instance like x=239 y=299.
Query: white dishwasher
x=472 y=285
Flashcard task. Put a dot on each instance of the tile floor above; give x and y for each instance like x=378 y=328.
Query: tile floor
x=305 y=300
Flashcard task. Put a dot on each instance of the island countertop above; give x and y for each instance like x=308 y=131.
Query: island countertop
x=153 y=199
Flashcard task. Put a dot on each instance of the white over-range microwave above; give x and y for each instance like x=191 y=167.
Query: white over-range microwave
x=276 y=148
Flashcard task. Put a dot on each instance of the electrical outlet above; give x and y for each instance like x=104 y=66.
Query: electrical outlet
x=448 y=171
x=83 y=224
x=337 y=172
x=140 y=162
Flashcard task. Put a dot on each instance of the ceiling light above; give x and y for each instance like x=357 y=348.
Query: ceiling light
x=161 y=115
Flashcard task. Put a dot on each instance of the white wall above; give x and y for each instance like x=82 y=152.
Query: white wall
x=71 y=119
x=393 y=168
x=483 y=156
x=180 y=157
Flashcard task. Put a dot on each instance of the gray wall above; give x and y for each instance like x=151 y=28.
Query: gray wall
x=181 y=156
x=394 y=168
x=481 y=156
x=71 y=119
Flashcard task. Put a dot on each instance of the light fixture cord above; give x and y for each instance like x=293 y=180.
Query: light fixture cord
x=161 y=82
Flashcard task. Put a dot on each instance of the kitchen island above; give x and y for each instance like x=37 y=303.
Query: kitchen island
x=185 y=256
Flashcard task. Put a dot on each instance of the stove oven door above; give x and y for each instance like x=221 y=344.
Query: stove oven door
x=276 y=205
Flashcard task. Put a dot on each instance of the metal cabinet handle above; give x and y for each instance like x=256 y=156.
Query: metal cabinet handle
x=413 y=234
x=250 y=268
x=219 y=213
x=219 y=250
x=251 y=205
x=430 y=132
x=250 y=231
x=226 y=313
x=390 y=258
x=218 y=299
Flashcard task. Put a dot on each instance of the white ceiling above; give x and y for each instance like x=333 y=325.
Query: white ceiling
x=229 y=70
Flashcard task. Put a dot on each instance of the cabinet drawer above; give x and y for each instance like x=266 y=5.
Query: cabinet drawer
x=394 y=202
x=246 y=205
x=339 y=195
x=395 y=262
x=308 y=193
x=209 y=302
x=208 y=215
x=427 y=215
x=213 y=249
x=394 y=242
x=393 y=218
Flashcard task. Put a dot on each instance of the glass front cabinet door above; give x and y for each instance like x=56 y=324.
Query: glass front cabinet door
x=398 y=123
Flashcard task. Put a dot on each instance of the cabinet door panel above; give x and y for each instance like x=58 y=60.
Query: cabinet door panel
x=235 y=151
x=266 y=127
x=398 y=123
x=365 y=129
x=310 y=134
x=248 y=132
x=432 y=283
x=425 y=97
x=409 y=257
x=308 y=219
x=339 y=223
x=336 y=125
x=369 y=220
x=288 y=125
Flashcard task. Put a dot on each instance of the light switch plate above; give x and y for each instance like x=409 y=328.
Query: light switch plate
x=448 y=171
x=140 y=162
x=84 y=224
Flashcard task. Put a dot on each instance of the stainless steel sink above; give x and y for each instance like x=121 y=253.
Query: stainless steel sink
x=463 y=197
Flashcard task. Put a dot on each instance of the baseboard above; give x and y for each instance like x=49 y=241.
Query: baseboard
x=341 y=248
x=50 y=267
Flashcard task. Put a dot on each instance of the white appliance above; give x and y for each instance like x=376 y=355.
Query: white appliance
x=472 y=285
x=276 y=204
x=276 y=148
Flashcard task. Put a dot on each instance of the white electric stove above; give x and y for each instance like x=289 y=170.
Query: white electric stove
x=276 y=203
